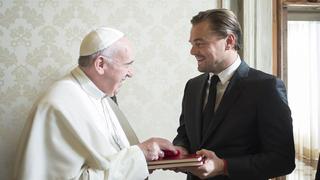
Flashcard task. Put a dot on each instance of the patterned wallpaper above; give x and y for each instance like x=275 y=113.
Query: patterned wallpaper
x=39 y=43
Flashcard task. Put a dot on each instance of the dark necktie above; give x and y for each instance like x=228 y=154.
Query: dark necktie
x=208 y=111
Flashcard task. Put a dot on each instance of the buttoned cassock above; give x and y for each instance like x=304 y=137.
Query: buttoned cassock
x=73 y=132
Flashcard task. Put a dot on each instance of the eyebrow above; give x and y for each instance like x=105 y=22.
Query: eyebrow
x=196 y=40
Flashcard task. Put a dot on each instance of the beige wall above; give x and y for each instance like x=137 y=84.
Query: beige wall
x=39 y=42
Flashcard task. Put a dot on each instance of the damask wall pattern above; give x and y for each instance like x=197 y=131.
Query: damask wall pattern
x=39 y=43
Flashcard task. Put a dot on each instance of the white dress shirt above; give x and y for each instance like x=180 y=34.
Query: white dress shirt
x=222 y=85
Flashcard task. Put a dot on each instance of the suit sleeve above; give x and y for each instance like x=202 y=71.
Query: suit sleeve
x=276 y=155
x=181 y=139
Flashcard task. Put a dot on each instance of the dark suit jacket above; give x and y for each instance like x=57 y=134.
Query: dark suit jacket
x=318 y=169
x=251 y=129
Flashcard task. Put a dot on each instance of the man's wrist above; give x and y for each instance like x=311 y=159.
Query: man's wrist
x=143 y=149
x=225 y=167
x=220 y=168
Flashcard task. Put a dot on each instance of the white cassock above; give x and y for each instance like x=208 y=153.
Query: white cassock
x=73 y=133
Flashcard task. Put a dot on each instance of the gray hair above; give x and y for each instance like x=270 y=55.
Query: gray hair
x=109 y=52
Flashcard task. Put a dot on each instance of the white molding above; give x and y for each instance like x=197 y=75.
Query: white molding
x=249 y=32
x=257 y=34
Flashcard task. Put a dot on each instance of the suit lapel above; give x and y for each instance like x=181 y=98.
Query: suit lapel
x=229 y=97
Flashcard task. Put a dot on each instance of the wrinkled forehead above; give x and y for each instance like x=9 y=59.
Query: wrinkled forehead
x=124 y=50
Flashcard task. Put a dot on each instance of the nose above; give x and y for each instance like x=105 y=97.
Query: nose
x=193 y=50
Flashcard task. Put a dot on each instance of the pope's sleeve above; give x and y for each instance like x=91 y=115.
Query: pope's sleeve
x=55 y=144
x=123 y=165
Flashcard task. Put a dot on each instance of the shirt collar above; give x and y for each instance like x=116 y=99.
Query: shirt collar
x=86 y=84
x=226 y=74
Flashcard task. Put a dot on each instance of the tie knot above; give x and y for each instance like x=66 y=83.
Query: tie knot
x=214 y=79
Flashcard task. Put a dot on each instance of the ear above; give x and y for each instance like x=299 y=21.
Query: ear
x=230 y=41
x=99 y=64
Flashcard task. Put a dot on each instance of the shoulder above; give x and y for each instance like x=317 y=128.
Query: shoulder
x=261 y=78
x=61 y=92
x=266 y=83
x=61 y=103
x=196 y=82
x=255 y=74
x=198 y=79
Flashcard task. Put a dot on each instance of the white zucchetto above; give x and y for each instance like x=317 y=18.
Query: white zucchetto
x=99 y=39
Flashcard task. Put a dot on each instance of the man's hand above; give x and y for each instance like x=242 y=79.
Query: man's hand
x=211 y=167
x=152 y=148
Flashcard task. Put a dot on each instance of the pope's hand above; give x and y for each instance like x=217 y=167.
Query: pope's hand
x=153 y=148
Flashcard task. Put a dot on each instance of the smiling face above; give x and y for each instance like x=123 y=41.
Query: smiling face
x=111 y=67
x=208 y=48
x=118 y=67
x=108 y=68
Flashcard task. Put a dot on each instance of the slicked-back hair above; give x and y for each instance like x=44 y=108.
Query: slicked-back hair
x=222 y=22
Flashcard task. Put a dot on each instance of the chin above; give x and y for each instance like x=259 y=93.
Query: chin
x=200 y=69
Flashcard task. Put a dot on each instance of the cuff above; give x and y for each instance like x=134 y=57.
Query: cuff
x=225 y=167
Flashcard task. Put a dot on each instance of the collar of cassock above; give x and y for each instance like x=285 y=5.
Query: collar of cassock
x=87 y=85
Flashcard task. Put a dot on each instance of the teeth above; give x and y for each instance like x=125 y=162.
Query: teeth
x=199 y=58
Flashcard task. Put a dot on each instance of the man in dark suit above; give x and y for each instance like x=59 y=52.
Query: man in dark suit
x=242 y=122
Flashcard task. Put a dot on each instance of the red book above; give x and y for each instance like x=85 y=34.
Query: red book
x=176 y=161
